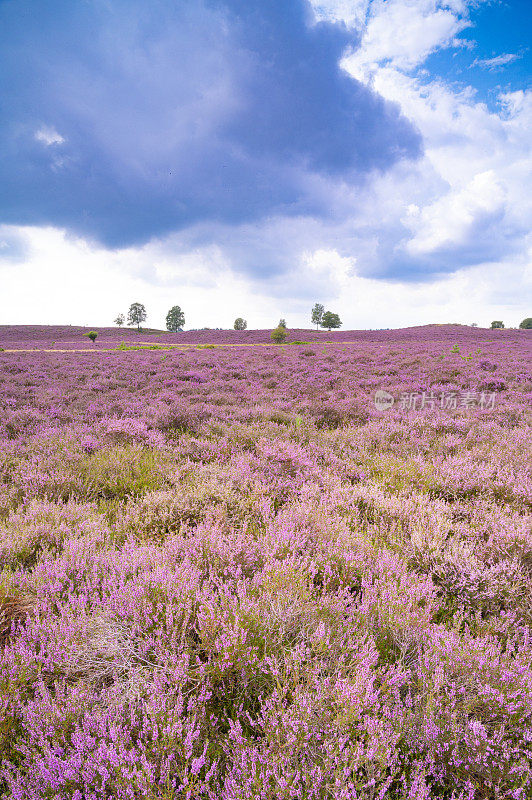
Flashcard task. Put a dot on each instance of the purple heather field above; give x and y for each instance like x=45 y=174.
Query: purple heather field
x=226 y=574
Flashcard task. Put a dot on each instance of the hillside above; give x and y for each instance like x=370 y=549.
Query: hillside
x=74 y=337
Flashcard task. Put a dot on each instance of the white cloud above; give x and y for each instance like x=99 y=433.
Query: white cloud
x=469 y=202
x=451 y=218
x=403 y=33
x=352 y=12
x=48 y=136
x=66 y=281
x=497 y=62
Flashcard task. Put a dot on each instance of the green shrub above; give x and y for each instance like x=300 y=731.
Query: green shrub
x=278 y=334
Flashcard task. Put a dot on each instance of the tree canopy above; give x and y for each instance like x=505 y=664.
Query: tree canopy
x=136 y=314
x=330 y=320
x=317 y=314
x=175 y=319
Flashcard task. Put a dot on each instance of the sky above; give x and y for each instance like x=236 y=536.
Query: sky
x=252 y=157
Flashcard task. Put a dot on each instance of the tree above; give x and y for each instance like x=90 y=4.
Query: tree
x=317 y=314
x=120 y=320
x=92 y=336
x=240 y=324
x=175 y=319
x=497 y=323
x=282 y=323
x=278 y=334
x=526 y=324
x=330 y=320
x=136 y=314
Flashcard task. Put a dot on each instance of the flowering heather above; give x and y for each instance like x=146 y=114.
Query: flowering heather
x=225 y=574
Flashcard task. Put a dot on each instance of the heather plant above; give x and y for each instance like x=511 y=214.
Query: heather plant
x=121 y=471
x=229 y=575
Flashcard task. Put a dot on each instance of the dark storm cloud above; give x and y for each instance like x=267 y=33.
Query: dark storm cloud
x=121 y=121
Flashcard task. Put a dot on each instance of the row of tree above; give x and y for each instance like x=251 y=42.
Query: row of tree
x=319 y=317
x=175 y=319
x=324 y=319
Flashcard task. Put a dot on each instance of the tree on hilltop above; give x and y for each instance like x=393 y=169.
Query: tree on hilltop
x=240 y=324
x=175 y=319
x=317 y=314
x=330 y=320
x=526 y=324
x=497 y=323
x=136 y=314
x=120 y=320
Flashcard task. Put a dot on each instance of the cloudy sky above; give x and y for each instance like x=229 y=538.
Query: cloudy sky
x=252 y=157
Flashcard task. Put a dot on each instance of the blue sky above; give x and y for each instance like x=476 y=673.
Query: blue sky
x=246 y=158
x=496 y=55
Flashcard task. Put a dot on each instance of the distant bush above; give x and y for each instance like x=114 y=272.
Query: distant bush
x=92 y=336
x=526 y=324
x=240 y=324
x=278 y=334
x=497 y=324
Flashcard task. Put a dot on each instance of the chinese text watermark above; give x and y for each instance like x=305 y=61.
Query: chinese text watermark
x=432 y=401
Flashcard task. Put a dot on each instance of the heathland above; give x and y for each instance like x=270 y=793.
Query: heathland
x=227 y=573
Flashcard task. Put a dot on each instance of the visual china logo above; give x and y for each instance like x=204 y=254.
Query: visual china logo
x=428 y=400
x=383 y=400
